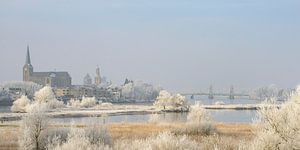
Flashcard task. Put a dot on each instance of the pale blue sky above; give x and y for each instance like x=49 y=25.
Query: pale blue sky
x=183 y=45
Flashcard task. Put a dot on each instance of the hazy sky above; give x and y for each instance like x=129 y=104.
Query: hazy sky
x=183 y=45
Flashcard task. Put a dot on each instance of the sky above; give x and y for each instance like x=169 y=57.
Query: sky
x=181 y=45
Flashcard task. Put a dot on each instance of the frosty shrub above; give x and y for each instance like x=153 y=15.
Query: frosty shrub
x=216 y=142
x=98 y=134
x=219 y=103
x=88 y=102
x=140 y=91
x=33 y=130
x=107 y=104
x=21 y=104
x=46 y=96
x=279 y=127
x=167 y=101
x=198 y=122
x=74 y=103
x=79 y=139
x=163 y=141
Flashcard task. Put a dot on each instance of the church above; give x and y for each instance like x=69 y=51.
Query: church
x=53 y=79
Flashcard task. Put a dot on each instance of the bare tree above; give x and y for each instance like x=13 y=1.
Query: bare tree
x=33 y=128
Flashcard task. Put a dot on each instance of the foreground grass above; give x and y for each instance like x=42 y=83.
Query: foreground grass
x=130 y=131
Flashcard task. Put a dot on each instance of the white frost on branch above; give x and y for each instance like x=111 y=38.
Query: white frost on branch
x=21 y=104
x=86 y=102
x=270 y=92
x=280 y=127
x=139 y=91
x=42 y=98
x=170 y=102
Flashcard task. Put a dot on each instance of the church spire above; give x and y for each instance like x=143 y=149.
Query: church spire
x=28 y=56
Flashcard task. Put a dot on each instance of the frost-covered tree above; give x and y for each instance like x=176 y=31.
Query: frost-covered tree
x=168 y=101
x=33 y=129
x=28 y=88
x=74 y=103
x=280 y=127
x=88 y=102
x=270 y=92
x=46 y=96
x=43 y=97
x=84 y=103
x=139 y=91
x=21 y=104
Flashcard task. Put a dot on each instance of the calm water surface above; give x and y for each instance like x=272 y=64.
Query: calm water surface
x=227 y=116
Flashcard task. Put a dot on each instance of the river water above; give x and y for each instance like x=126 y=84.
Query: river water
x=226 y=116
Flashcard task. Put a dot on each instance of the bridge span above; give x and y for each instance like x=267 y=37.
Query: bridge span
x=211 y=94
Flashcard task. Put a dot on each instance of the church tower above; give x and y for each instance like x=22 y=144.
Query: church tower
x=27 y=69
x=98 y=77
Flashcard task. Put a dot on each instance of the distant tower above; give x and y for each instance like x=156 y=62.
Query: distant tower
x=27 y=68
x=211 y=93
x=98 y=77
x=87 y=80
x=231 y=93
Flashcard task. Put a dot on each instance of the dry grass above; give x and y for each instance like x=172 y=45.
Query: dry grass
x=235 y=129
x=8 y=138
x=131 y=131
x=9 y=134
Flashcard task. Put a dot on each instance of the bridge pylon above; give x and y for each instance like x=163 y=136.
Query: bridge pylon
x=211 y=93
x=231 y=93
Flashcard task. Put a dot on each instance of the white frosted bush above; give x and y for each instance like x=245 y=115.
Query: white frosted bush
x=219 y=103
x=21 y=104
x=98 y=134
x=198 y=115
x=88 y=102
x=46 y=96
x=106 y=104
x=198 y=122
x=167 y=101
x=74 y=103
x=163 y=141
x=80 y=139
x=280 y=127
x=139 y=91
x=217 y=142
x=43 y=98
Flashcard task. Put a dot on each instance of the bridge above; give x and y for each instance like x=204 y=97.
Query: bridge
x=211 y=94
